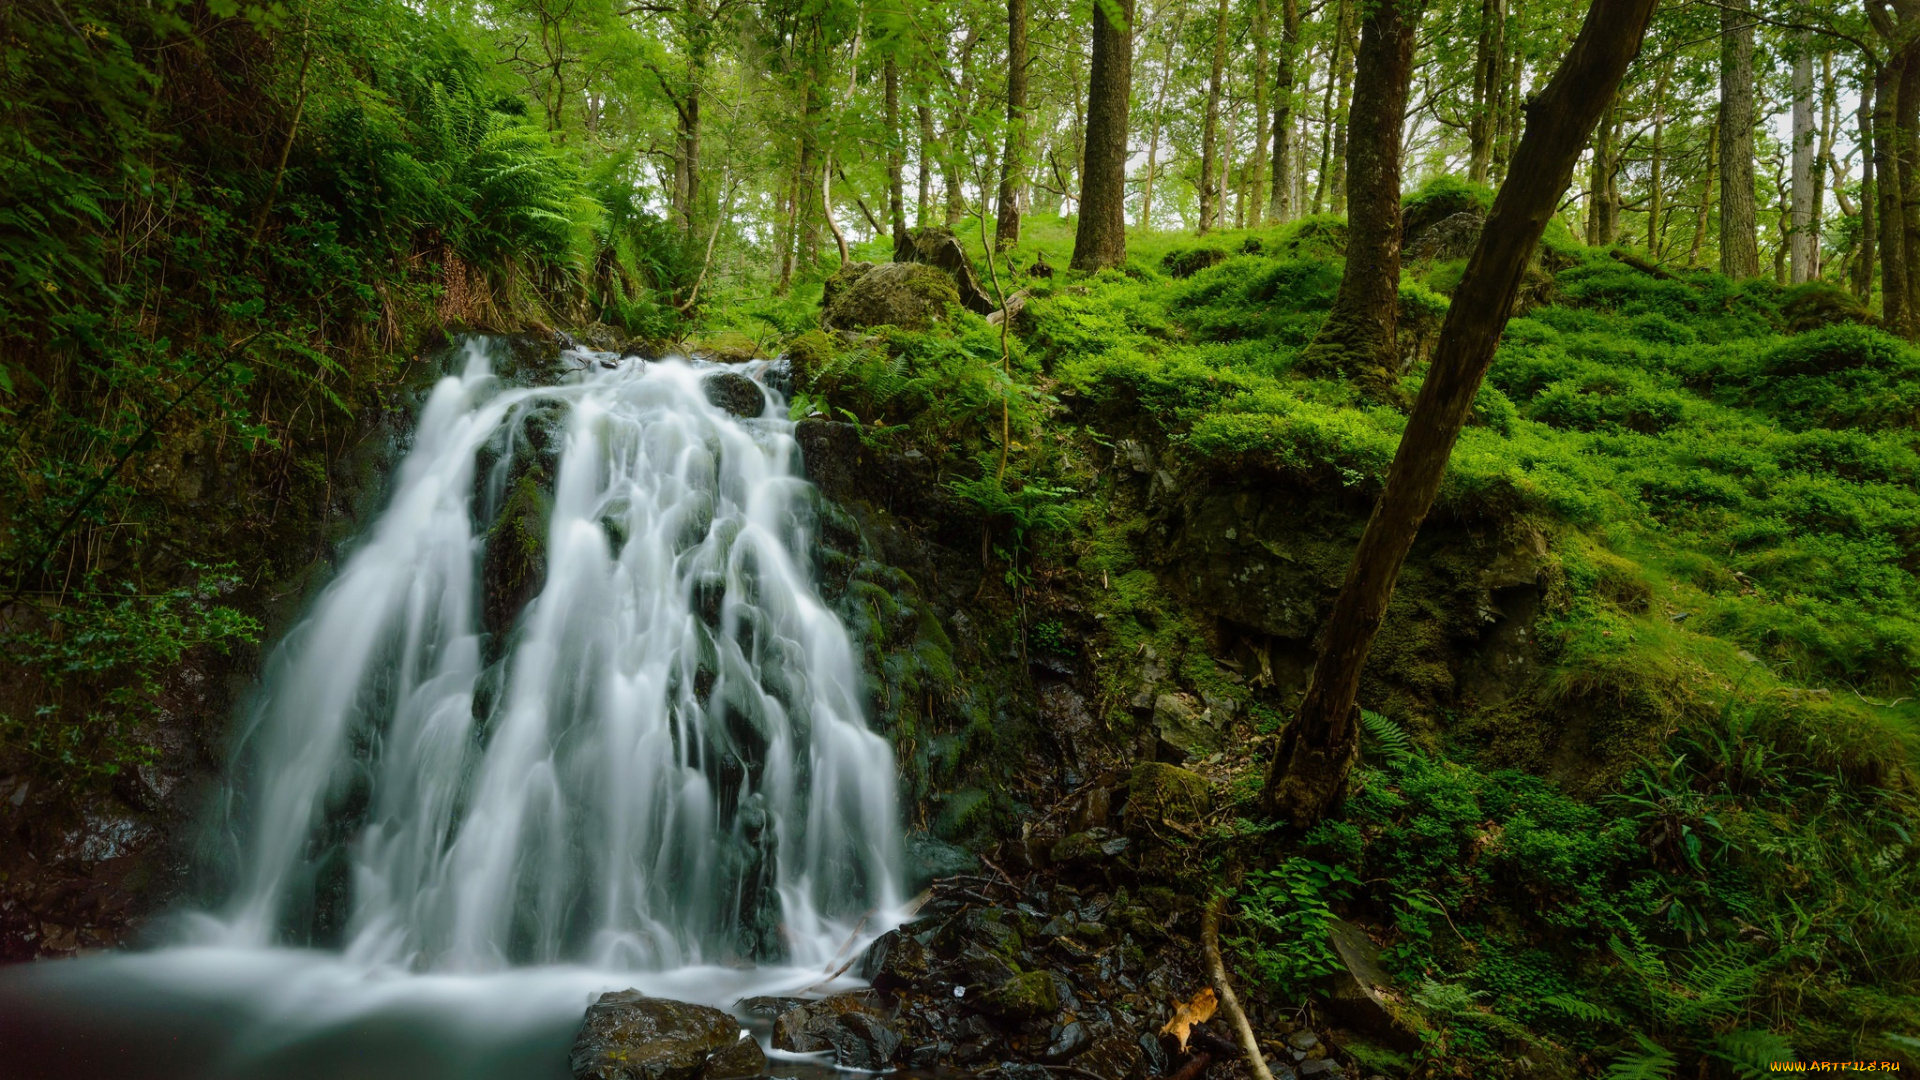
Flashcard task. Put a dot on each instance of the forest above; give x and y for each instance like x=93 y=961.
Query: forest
x=1436 y=474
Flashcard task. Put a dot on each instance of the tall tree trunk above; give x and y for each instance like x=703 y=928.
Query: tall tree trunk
x=1328 y=121
x=1357 y=338
x=1210 y=208
x=1101 y=238
x=1656 y=166
x=1317 y=750
x=1486 y=89
x=1863 y=263
x=1739 y=247
x=1800 y=234
x=1342 y=112
x=896 y=165
x=1159 y=119
x=1600 y=182
x=1281 y=207
x=1013 y=166
x=1257 y=163
x=1828 y=129
x=929 y=154
x=1511 y=104
x=955 y=166
x=1706 y=193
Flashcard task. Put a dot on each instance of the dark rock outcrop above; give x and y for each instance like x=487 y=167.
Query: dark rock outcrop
x=630 y=1036
x=735 y=393
x=853 y=1026
x=1449 y=238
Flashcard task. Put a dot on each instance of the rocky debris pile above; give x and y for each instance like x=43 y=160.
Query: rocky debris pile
x=1031 y=982
x=630 y=1036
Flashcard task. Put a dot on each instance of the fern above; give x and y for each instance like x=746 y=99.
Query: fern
x=1581 y=1009
x=1388 y=738
x=1651 y=1062
x=1749 y=1051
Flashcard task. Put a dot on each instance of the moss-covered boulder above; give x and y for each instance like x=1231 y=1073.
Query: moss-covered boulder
x=842 y=280
x=807 y=354
x=1161 y=794
x=907 y=295
x=1031 y=996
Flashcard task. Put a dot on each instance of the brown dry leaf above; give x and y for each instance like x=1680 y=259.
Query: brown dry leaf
x=1199 y=1010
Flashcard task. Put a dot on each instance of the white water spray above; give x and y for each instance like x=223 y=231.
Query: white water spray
x=665 y=765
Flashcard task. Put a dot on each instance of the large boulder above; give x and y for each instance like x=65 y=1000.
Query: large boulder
x=630 y=1036
x=935 y=246
x=908 y=295
x=1452 y=237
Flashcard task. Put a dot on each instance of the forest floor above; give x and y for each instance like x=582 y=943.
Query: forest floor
x=1638 y=793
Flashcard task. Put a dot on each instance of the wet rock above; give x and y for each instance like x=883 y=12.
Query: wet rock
x=630 y=1036
x=1303 y=1040
x=850 y=1025
x=895 y=960
x=744 y=1060
x=735 y=393
x=929 y=858
x=1070 y=1041
x=1185 y=727
x=726 y=347
x=832 y=453
x=907 y=295
x=769 y=1008
x=1093 y=848
x=1114 y=1056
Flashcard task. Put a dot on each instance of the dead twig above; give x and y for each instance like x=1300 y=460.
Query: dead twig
x=1217 y=971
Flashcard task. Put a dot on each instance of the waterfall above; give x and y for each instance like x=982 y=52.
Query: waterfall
x=661 y=760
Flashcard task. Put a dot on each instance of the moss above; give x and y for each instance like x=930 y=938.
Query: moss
x=1030 y=996
x=907 y=295
x=1158 y=793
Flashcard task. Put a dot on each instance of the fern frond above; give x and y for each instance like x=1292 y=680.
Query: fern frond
x=1581 y=1009
x=1749 y=1052
x=1387 y=738
x=1651 y=1062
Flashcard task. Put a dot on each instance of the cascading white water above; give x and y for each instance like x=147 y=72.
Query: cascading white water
x=656 y=775
x=668 y=762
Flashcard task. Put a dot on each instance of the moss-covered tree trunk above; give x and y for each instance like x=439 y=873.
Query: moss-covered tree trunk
x=1357 y=339
x=1739 y=247
x=1101 y=237
x=1280 y=205
x=1318 y=749
x=1211 y=208
x=1486 y=89
x=896 y=191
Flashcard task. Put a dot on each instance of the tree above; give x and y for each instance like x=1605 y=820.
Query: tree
x=1486 y=88
x=1100 y=240
x=1211 y=209
x=1357 y=339
x=1013 y=165
x=1280 y=206
x=1318 y=748
x=1802 y=229
x=1739 y=251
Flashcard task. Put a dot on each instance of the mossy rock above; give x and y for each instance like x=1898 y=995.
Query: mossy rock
x=727 y=347
x=910 y=296
x=1187 y=262
x=841 y=280
x=1160 y=793
x=1031 y=996
x=1818 y=304
x=807 y=354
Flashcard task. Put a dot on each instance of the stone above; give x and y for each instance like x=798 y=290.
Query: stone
x=907 y=295
x=735 y=393
x=1185 y=727
x=1363 y=995
x=726 y=347
x=895 y=960
x=1113 y=1056
x=1159 y=794
x=1303 y=1040
x=1069 y=1042
x=1319 y=1067
x=935 y=246
x=842 y=280
x=850 y=1025
x=630 y=1036
x=1031 y=996
x=1452 y=237
x=744 y=1060
x=832 y=453
x=1187 y=262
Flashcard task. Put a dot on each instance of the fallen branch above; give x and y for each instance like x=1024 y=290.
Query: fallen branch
x=1217 y=971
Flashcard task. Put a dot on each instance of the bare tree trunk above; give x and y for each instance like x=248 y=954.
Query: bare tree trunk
x=929 y=154
x=1318 y=748
x=1159 y=119
x=1600 y=183
x=1486 y=89
x=1800 y=224
x=1257 y=163
x=1013 y=167
x=896 y=188
x=1282 y=206
x=1209 y=130
x=1739 y=247
x=1827 y=129
x=1706 y=194
x=1656 y=166
x=1101 y=238
x=1863 y=262
x=1357 y=338
x=1327 y=119
x=1342 y=112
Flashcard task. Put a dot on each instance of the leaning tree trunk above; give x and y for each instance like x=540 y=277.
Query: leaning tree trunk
x=1739 y=247
x=1281 y=206
x=1318 y=749
x=1013 y=166
x=1101 y=239
x=1210 y=208
x=1357 y=338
